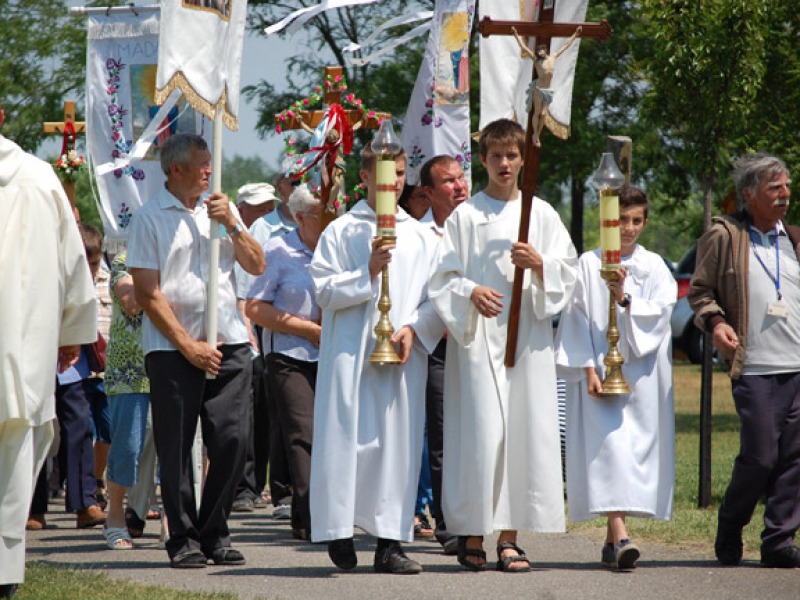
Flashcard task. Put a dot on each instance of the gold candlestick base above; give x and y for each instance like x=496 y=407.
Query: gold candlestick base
x=384 y=353
x=614 y=383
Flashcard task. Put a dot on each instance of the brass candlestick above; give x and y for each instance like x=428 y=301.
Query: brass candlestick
x=386 y=146
x=608 y=179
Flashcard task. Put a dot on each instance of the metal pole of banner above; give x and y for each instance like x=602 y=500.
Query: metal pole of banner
x=77 y=11
x=213 y=251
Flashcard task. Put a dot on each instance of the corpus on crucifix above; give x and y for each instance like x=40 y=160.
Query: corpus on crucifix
x=332 y=129
x=543 y=29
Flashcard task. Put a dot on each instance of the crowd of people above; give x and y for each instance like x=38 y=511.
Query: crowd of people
x=451 y=433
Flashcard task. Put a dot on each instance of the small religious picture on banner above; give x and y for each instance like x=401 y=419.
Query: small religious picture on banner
x=221 y=7
x=179 y=119
x=452 y=76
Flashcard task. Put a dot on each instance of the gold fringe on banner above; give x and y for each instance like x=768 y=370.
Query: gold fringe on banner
x=559 y=130
x=197 y=102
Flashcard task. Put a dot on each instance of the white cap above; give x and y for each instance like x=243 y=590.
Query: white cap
x=257 y=193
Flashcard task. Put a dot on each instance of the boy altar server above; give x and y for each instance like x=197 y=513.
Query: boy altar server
x=620 y=448
x=369 y=419
x=501 y=446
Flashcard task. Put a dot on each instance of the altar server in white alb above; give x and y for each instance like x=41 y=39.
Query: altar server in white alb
x=620 y=448
x=369 y=419
x=47 y=301
x=502 y=467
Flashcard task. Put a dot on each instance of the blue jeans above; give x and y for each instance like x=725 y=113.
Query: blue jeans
x=128 y=426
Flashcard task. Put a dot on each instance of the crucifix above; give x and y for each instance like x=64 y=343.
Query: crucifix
x=309 y=120
x=544 y=29
x=69 y=128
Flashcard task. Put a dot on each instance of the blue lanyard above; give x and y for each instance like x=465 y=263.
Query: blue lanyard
x=777 y=278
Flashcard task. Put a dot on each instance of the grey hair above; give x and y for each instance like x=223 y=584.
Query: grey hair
x=751 y=169
x=178 y=150
x=302 y=200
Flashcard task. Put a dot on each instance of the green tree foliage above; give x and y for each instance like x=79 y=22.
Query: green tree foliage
x=41 y=65
x=704 y=71
x=240 y=170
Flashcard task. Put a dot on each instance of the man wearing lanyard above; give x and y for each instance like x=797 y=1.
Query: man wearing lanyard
x=746 y=291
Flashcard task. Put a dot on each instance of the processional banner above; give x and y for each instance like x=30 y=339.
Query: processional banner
x=506 y=74
x=437 y=120
x=201 y=55
x=122 y=52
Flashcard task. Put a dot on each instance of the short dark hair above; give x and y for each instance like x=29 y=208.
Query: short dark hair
x=178 y=150
x=501 y=131
x=633 y=196
x=92 y=239
x=425 y=177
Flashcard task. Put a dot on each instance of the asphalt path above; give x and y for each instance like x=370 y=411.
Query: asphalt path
x=566 y=566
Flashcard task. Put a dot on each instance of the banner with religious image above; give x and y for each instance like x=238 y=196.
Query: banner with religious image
x=122 y=51
x=506 y=73
x=437 y=119
x=200 y=54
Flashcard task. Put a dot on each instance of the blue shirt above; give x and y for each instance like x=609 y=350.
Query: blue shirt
x=286 y=284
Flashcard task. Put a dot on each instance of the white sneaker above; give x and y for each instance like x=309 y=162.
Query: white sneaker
x=282 y=512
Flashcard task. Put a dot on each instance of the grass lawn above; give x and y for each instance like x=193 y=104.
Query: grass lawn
x=690 y=525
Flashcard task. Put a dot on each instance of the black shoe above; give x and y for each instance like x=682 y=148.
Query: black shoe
x=728 y=544
x=450 y=546
x=787 y=557
x=392 y=559
x=193 y=559
x=343 y=553
x=243 y=504
x=7 y=590
x=227 y=556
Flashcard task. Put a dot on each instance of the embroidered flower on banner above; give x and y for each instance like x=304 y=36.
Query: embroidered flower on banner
x=116 y=113
x=464 y=157
x=429 y=118
x=415 y=157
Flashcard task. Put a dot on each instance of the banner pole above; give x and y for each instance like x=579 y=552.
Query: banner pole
x=213 y=253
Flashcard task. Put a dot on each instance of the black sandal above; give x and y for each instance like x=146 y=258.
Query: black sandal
x=464 y=552
x=504 y=564
x=134 y=524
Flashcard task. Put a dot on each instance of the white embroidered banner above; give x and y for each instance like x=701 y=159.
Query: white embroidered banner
x=437 y=119
x=122 y=52
x=200 y=53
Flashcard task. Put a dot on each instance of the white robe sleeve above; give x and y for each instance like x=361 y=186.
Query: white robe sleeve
x=425 y=321
x=338 y=285
x=574 y=349
x=559 y=271
x=648 y=318
x=450 y=290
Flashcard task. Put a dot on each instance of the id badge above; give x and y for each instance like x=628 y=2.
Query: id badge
x=777 y=309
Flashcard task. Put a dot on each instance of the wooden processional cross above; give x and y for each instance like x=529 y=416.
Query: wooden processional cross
x=63 y=127
x=544 y=29
x=308 y=120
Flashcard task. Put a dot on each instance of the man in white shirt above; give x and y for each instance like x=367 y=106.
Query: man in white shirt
x=168 y=257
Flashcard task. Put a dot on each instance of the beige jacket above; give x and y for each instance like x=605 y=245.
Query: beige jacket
x=719 y=290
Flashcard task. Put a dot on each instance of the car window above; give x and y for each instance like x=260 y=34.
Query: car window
x=686 y=264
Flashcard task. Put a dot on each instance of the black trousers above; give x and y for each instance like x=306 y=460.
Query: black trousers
x=254 y=476
x=180 y=394
x=434 y=413
x=76 y=452
x=292 y=383
x=768 y=463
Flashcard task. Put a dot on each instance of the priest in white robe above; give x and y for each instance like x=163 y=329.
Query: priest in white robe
x=620 y=448
x=369 y=419
x=502 y=467
x=47 y=301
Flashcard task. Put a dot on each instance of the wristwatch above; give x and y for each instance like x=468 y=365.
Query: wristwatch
x=626 y=301
x=236 y=230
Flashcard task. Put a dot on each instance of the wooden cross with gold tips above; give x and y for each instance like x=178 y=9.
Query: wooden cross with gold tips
x=69 y=128
x=308 y=120
x=544 y=29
